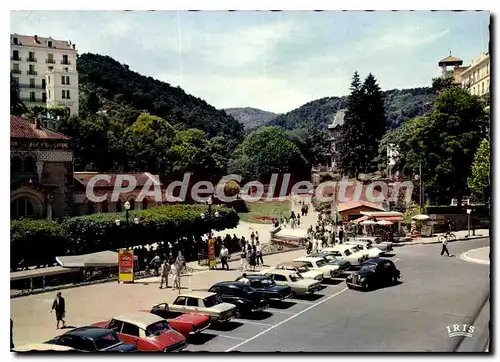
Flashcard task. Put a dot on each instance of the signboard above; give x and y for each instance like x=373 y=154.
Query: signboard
x=211 y=254
x=126 y=266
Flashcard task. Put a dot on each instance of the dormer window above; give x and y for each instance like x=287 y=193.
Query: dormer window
x=49 y=43
x=15 y=41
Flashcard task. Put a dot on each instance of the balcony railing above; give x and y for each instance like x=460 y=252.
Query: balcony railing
x=32 y=72
x=32 y=86
x=15 y=58
x=31 y=100
x=32 y=60
x=50 y=61
x=16 y=71
x=65 y=62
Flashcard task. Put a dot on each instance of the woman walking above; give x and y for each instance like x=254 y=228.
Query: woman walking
x=253 y=257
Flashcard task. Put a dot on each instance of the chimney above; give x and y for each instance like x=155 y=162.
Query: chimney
x=36 y=38
x=74 y=46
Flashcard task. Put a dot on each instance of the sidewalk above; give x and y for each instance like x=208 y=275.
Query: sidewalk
x=461 y=235
x=479 y=256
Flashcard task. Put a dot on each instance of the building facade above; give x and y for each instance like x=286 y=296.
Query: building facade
x=41 y=174
x=476 y=78
x=45 y=70
x=451 y=67
x=333 y=141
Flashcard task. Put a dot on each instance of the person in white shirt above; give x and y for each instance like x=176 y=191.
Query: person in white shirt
x=445 y=247
x=260 y=261
x=243 y=264
x=244 y=279
x=224 y=252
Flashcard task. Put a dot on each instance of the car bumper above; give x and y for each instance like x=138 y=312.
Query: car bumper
x=354 y=285
x=260 y=309
x=199 y=330
x=313 y=290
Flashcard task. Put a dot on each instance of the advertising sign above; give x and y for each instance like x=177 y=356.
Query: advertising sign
x=211 y=254
x=126 y=266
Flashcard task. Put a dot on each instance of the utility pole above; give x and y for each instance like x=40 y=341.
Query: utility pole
x=421 y=188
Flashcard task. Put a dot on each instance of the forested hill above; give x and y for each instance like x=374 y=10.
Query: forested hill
x=400 y=105
x=251 y=117
x=104 y=82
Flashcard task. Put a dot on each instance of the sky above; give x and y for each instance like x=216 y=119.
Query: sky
x=275 y=61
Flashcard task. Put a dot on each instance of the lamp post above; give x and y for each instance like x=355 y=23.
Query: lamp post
x=418 y=177
x=469 y=210
x=208 y=216
x=127 y=217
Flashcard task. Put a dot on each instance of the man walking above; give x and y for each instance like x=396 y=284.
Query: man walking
x=224 y=252
x=260 y=261
x=341 y=234
x=165 y=271
x=445 y=247
x=59 y=306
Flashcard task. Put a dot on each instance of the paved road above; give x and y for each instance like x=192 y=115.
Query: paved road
x=436 y=291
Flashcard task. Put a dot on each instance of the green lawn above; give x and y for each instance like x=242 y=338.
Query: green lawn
x=269 y=209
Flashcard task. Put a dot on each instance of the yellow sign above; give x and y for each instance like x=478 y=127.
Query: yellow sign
x=211 y=254
x=126 y=266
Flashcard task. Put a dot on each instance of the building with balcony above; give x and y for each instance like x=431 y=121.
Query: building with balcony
x=333 y=140
x=476 y=78
x=452 y=68
x=45 y=70
x=41 y=177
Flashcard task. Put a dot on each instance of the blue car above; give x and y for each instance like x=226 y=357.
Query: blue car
x=268 y=288
x=93 y=339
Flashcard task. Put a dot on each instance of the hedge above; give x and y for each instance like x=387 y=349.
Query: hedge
x=98 y=232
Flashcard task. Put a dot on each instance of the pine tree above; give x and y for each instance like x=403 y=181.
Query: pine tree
x=17 y=107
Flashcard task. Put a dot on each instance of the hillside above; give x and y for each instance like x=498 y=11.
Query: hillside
x=108 y=84
x=251 y=117
x=400 y=105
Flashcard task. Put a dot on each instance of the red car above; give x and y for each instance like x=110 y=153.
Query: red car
x=189 y=324
x=147 y=331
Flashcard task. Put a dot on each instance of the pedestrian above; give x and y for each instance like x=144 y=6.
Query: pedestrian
x=341 y=234
x=253 y=257
x=259 y=254
x=298 y=220
x=252 y=236
x=256 y=236
x=165 y=271
x=59 y=305
x=223 y=256
x=180 y=261
x=244 y=279
x=177 y=276
x=155 y=264
x=243 y=263
x=445 y=247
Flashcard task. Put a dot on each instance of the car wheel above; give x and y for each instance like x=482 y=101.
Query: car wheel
x=366 y=286
x=292 y=295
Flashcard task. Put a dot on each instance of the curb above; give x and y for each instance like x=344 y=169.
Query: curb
x=464 y=256
x=438 y=242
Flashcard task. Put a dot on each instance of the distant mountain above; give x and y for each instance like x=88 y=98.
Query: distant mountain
x=251 y=117
x=400 y=105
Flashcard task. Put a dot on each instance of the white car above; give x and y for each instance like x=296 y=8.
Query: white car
x=301 y=268
x=297 y=283
x=385 y=246
x=349 y=253
x=320 y=264
x=373 y=252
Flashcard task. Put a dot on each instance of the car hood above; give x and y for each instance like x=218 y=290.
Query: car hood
x=168 y=338
x=363 y=273
x=274 y=288
x=305 y=283
x=196 y=319
x=221 y=307
x=311 y=274
x=328 y=267
x=337 y=262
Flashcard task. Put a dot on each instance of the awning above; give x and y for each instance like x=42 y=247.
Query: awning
x=101 y=259
x=391 y=218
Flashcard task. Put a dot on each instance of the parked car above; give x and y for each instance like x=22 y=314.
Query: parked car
x=332 y=259
x=385 y=246
x=347 y=252
x=374 y=273
x=188 y=324
x=200 y=302
x=302 y=268
x=42 y=347
x=268 y=288
x=148 y=332
x=298 y=284
x=92 y=339
x=246 y=299
x=321 y=265
x=368 y=248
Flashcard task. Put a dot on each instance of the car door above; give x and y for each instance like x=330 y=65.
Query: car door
x=388 y=271
x=280 y=279
x=161 y=310
x=130 y=335
x=380 y=274
x=179 y=305
x=192 y=305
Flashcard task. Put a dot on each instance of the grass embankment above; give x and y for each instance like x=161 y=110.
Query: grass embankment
x=263 y=212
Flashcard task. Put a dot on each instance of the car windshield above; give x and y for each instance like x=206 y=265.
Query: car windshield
x=320 y=263
x=303 y=269
x=156 y=328
x=347 y=252
x=368 y=267
x=211 y=301
x=267 y=282
x=354 y=249
x=107 y=341
x=368 y=246
x=295 y=277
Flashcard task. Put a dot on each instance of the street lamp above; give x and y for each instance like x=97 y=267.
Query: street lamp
x=208 y=215
x=468 y=221
x=418 y=177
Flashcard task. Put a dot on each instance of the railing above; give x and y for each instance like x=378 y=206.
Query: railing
x=50 y=61
x=32 y=72
x=32 y=60
x=32 y=86
x=65 y=62
x=16 y=71
x=15 y=58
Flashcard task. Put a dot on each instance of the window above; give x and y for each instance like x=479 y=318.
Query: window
x=15 y=55
x=65 y=59
x=63 y=94
x=106 y=341
x=104 y=206
x=280 y=278
x=32 y=82
x=44 y=85
x=51 y=68
x=22 y=207
x=44 y=97
x=66 y=69
x=157 y=328
x=50 y=58
x=144 y=204
x=49 y=44
x=482 y=87
x=16 y=165
x=67 y=79
x=49 y=94
x=130 y=329
x=31 y=57
x=29 y=165
x=63 y=78
x=192 y=302
x=15 y=66
x=68 y=97
x=32 y=69
x=84 y=344
x=15 y=40
x=48 y=79
x=32 y=97
x=180 y=301
x=115 y=325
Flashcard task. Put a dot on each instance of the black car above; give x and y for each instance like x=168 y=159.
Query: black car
x=374 y=273
x=93 y=339
x=243 y=296
x=333 y=259
x=268 y=288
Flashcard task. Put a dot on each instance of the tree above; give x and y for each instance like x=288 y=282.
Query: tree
x=444 y=143
x=480 y=176
x=17 y=106
x=442 y=83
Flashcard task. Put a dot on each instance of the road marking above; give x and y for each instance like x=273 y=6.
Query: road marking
x=286 y=320
x=301 y=302
x=244 y=321
x=230 y=337
x=281 y=312
x=396 y=260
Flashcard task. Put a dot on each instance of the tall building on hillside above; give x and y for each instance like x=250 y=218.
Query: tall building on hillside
x=45 y=70
x=476 y=78
x=334 y=129
x=452 y=68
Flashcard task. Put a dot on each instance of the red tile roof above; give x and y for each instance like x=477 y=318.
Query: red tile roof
x=29 y=40
x=355 y=204
x=24 y=128
x=140 y=177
